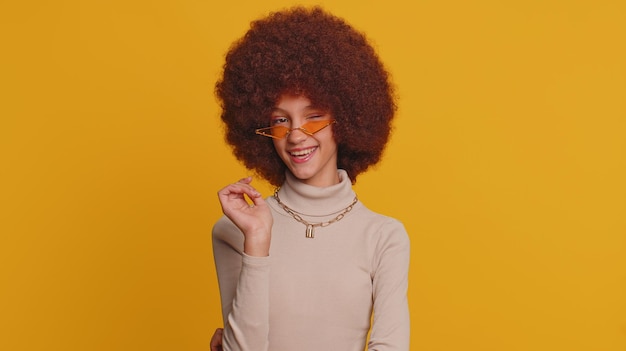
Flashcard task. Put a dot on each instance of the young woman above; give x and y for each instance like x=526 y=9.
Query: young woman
x=308 y=106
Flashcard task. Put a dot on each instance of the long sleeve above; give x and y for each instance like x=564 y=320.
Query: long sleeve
x=244 y=289
x=391 y=328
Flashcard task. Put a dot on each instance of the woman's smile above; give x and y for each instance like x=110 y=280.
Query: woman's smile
x=302 y=154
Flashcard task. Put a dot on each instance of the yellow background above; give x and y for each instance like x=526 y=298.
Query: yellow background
x=507 y=166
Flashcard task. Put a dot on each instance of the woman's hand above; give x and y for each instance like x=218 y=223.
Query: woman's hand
x=216 y=340
x=254 y=220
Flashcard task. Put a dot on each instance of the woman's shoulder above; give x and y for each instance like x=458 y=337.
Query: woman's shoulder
x=387 y=226
x=365 y=213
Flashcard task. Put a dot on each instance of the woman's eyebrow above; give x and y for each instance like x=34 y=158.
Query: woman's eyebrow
x=280 y=110
x=304 y=109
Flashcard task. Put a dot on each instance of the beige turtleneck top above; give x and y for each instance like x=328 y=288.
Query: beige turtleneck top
x=316 y=293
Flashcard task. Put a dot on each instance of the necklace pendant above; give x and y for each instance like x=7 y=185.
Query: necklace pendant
x=309 y=231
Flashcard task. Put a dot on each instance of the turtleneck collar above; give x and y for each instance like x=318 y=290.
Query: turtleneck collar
x=315 y=201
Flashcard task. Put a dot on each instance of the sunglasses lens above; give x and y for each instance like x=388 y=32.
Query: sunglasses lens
x=313 y=127
x=279 y=131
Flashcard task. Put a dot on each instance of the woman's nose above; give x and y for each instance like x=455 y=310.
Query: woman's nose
x=296 y=136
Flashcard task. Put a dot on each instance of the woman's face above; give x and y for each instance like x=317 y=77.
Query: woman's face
x=310 y=158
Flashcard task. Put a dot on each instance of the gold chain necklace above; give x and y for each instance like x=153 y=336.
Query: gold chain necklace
x=311 y=226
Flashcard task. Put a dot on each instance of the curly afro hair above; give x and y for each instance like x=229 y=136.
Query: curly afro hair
x=308 y=52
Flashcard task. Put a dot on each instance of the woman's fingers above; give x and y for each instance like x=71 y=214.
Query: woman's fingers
x=216 y=340
x=235 y=191
x=253 y=219
x=246 y=180
x=234 y=203
x=258 y=200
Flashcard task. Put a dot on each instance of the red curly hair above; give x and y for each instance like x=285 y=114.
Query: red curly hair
x=308 y=52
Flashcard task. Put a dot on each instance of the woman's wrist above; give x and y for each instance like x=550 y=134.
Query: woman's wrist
x=257 y=244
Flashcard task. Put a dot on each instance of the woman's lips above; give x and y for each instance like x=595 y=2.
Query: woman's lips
x=302 y=155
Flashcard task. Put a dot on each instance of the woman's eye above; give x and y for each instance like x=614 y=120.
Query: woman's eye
x=279 y=120
x=315 y=116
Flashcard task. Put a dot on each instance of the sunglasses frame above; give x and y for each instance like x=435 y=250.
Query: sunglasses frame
x=267 y=131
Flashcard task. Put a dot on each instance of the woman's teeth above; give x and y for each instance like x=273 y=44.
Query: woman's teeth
x=302 y=152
